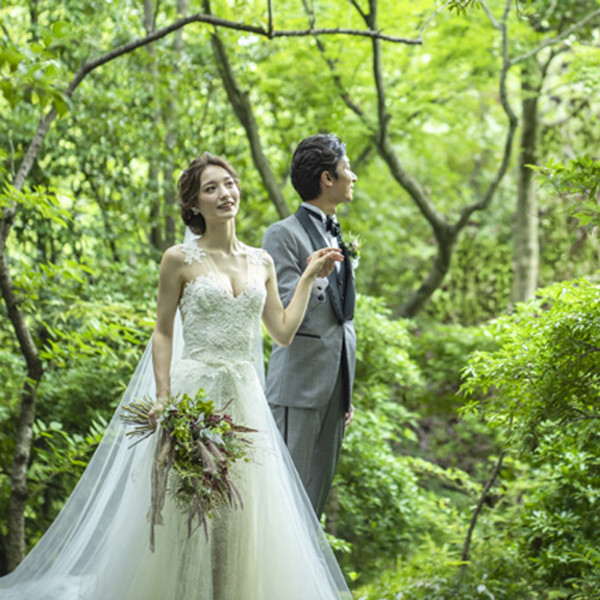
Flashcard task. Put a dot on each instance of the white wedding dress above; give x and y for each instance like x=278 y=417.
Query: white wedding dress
x=272 y=548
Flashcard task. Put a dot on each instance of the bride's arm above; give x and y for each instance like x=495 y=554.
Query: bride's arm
x=282 y=323
x=170 y=283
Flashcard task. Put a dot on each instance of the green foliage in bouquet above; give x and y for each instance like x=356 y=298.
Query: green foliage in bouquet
x=201 y=444
x=201 y=435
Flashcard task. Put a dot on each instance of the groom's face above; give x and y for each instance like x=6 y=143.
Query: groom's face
x=343 y=186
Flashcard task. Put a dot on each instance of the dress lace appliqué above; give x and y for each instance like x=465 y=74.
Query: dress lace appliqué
x=192 y=252
x=219 y=327
x=257 y=256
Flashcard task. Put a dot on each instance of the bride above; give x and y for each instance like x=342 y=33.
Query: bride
x=212 y=292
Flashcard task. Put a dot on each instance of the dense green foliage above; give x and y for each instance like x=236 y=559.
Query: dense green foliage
x=439 y=398
x=537 y=395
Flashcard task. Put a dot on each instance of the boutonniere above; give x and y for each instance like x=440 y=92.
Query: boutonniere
x=353 y=245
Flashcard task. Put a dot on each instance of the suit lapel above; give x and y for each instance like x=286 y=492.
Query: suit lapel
x=349 y=293
x=333 y=289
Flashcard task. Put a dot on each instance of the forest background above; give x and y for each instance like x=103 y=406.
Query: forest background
x=472 y=468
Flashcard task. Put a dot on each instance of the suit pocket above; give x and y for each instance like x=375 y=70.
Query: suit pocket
x=309 y=335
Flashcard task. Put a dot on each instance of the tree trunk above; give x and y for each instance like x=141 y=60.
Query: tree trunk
x=170 y=118
x=103 y=205
x=526 y=248
x=444 y=232
x=18 y=473
x=23 y=439
x=243 y=110
x=153 y=171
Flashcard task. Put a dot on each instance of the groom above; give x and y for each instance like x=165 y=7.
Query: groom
x=309 y=383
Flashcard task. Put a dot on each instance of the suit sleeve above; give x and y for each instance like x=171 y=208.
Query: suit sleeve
x=284 y=249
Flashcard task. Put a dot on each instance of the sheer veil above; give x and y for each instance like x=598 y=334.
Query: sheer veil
x=96 y=514
x=68 y=553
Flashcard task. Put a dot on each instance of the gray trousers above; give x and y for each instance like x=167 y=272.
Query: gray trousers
x=314 y=438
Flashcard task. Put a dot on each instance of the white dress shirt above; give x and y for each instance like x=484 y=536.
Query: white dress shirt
x=321 y=283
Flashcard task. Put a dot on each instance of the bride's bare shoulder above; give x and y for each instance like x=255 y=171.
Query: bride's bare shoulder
x=257 y=255
x=174 y=257
x=174 y=253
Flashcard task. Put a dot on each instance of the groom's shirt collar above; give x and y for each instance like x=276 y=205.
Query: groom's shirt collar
x=319 y=222
x=316 y=210
x=320 y=225
x=321 y=282
x=322 y=217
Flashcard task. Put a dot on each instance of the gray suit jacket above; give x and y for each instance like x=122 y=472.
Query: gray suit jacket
x=304 y=373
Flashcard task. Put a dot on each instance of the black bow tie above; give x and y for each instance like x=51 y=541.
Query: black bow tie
x=332 y=226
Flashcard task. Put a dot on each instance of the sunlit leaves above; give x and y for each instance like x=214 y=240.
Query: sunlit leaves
x=461 y=6
x=59 y=460
x=34 y=72
x=579 y=181
x=46 y=202
x=546 y=370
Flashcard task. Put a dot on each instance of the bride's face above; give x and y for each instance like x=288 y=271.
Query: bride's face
x=219 y=195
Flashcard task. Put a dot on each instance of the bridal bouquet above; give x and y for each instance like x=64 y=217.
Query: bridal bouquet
x=200 y=443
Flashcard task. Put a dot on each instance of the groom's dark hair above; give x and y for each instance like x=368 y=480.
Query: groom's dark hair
x=313 y=156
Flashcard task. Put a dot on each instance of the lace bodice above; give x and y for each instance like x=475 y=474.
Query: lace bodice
x=217 y=325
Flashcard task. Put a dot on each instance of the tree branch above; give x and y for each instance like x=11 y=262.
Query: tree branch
x=270 y=10
x=477 y=511
x=576 y=109
x=433 y=16
x=444 y=235
x=384 y=144
x=555 y=40
x=88 y=67
x=490 y=16
x=243 y=110
x=342 y=92
x=550 y=10
x=507 y=64
x=513 y=123
x=382 y=114
x=104 y=212
x=22 y=451
x=359 y=10
x=585 y=416
x=342 y=31
x=24 y=337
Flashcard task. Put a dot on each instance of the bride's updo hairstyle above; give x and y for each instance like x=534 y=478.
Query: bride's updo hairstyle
x=188 y=188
